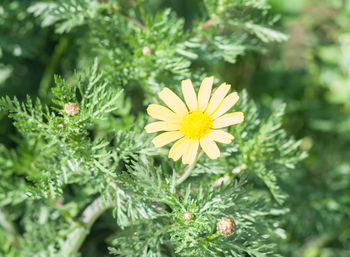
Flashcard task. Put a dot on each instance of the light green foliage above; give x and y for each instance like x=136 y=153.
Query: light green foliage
x=309 y=73
x=173 y=48
x=198 y=236
x=65 y=15
x=57 y=140
x=64 y=171
x=260 y=152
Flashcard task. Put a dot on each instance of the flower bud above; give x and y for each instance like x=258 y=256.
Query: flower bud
x=219 y=181
x=188 y=215
x=226 y=226
x=71 y=109
x=238 y=169
x=147 y=50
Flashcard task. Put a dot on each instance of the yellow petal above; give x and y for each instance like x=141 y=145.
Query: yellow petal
x=217 y=98
x=162 y=113
x=173 y=101
x=166 y=138
x=161 y=126
x=228 y=102
x=228 y=120
x=204 y=93
x=178 y=149
x=190 y=152
x=221 y=136
x=209 y=147
x=189 y=94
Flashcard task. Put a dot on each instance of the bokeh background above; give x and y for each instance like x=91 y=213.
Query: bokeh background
x=310 y=73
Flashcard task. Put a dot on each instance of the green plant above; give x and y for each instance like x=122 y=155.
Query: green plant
x=82 y=150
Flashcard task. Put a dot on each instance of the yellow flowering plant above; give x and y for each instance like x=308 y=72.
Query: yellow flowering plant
x=196 y=125
x=80 y=175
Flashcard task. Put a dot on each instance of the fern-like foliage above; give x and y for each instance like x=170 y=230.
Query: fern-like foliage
x=81 y=149
x=197 y=236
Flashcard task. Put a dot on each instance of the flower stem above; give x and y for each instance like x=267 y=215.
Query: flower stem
x=50 y=69
x=76 y=238
x=188 y=170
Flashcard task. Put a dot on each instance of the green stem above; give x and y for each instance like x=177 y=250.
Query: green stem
x=188 y=170
x=131 y=19
x=76 y=238
x=51 y=67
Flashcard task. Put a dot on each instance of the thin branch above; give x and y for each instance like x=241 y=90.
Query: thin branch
x=50 y=69
x=131 y=19
x=89 y=216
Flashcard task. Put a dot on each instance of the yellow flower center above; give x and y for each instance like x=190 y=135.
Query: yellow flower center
x=196 y=124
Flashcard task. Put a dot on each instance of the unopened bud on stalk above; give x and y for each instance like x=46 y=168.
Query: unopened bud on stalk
x=226 y=226
x=219 y=181
x=188 y=215
x=147 y=50
x=238 y=169
x=71 y=109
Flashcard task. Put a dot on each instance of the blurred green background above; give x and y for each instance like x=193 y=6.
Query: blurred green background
x=310 y=72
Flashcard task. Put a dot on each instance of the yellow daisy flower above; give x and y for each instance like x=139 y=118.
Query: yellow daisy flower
x=197 y=124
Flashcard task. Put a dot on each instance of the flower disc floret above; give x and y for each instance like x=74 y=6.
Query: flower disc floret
x=196 y=125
